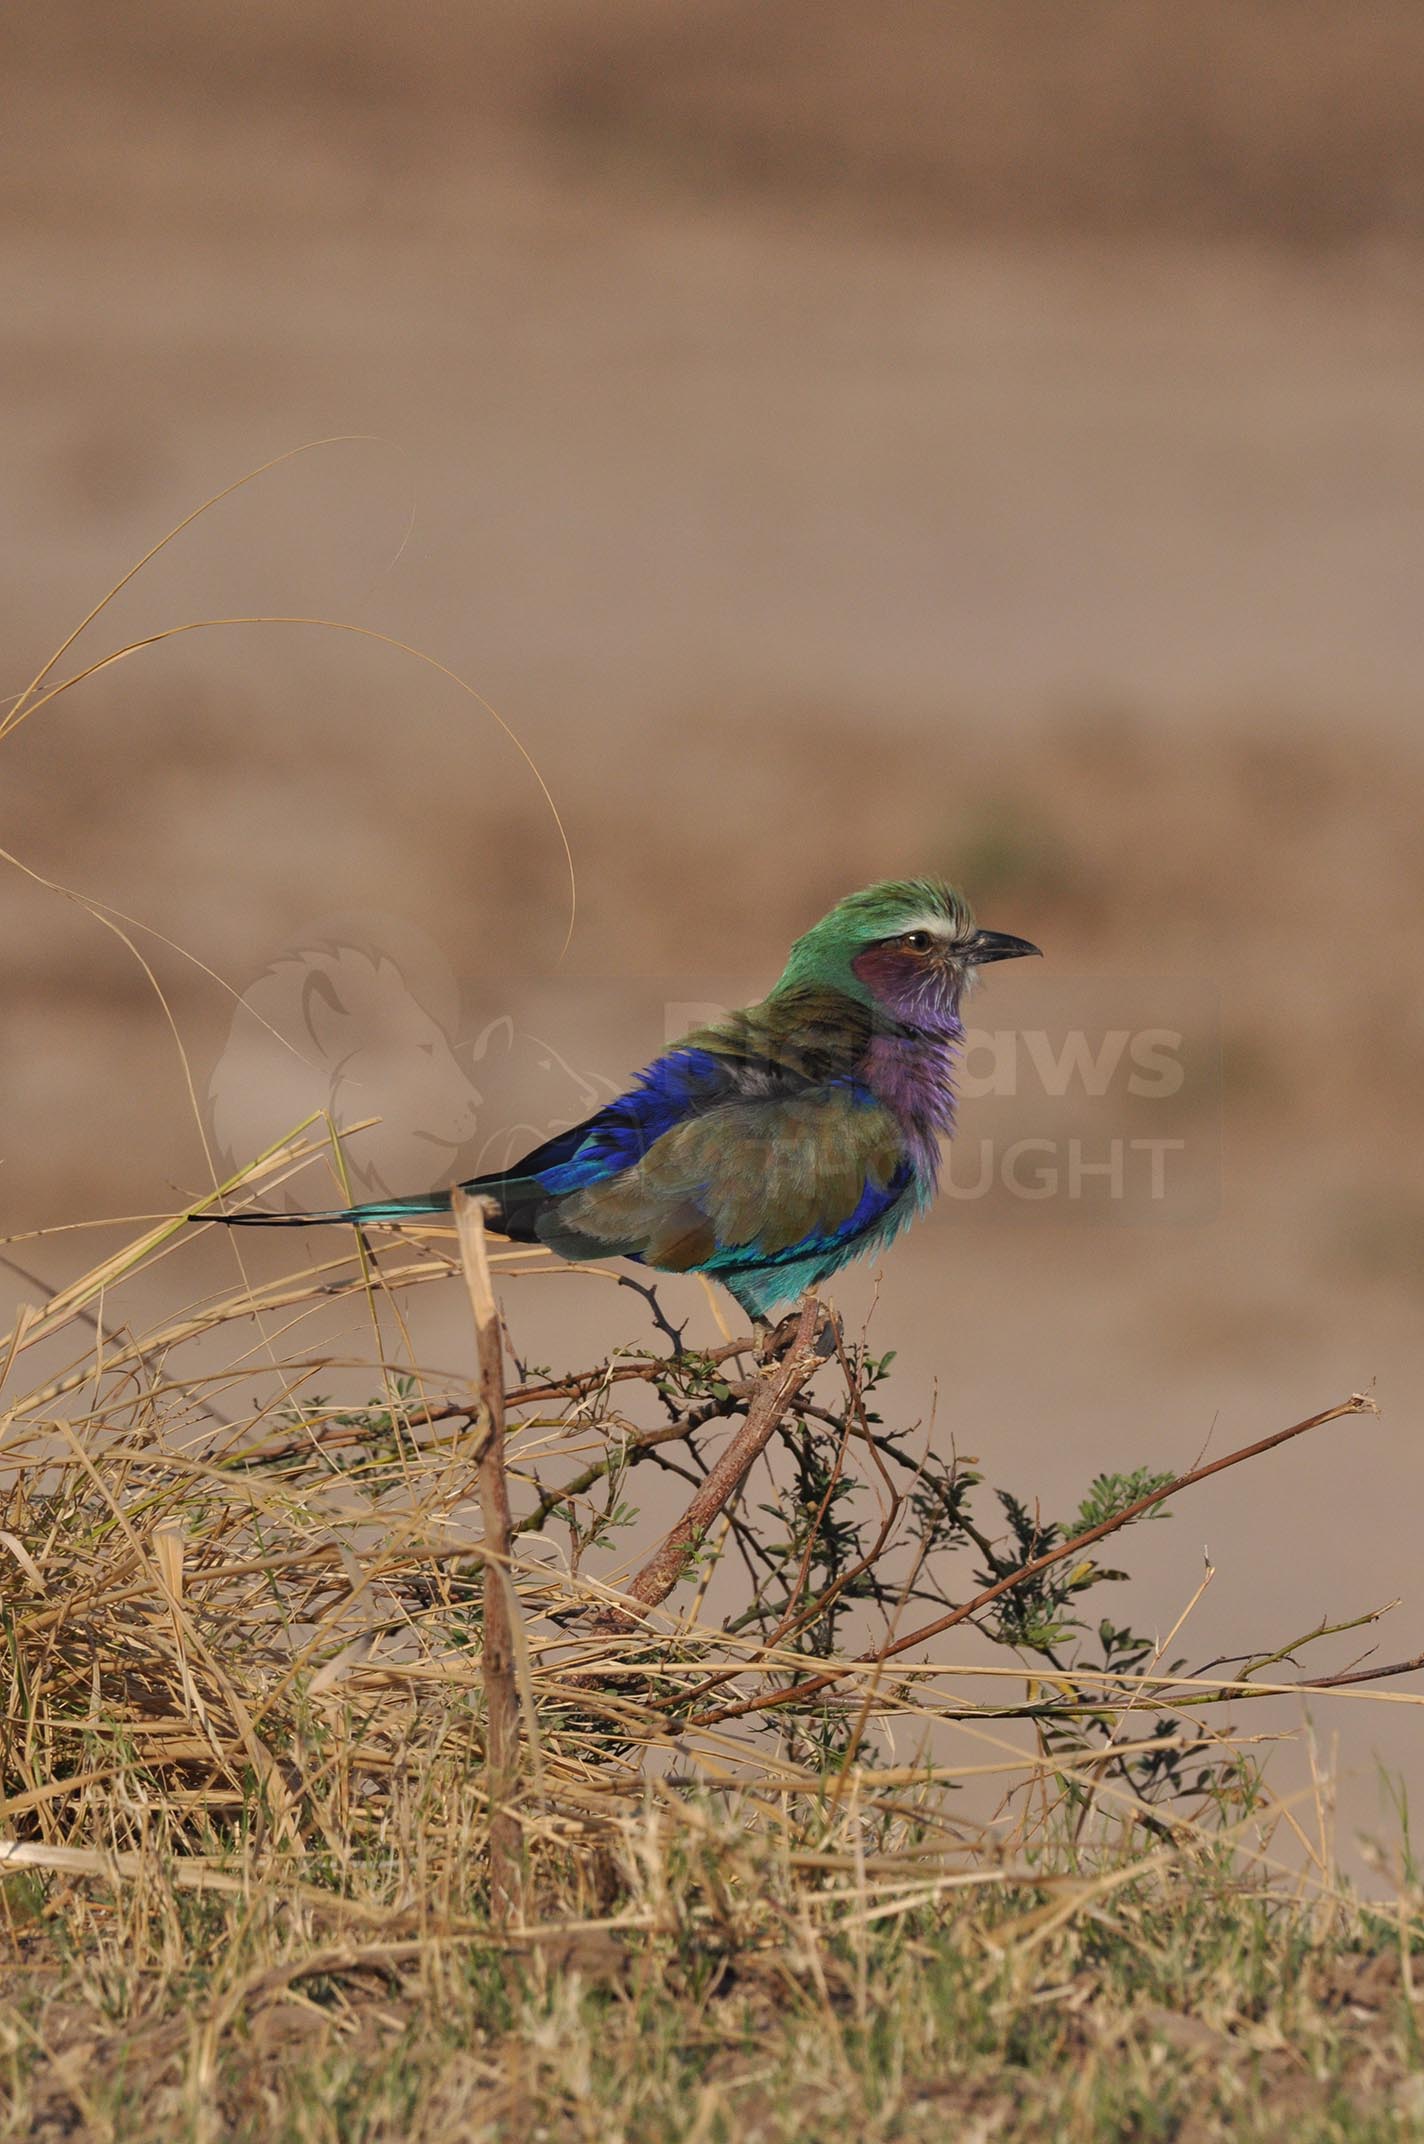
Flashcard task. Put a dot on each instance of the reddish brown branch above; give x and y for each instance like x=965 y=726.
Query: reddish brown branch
x=779 y=1384
x=1338 y=1682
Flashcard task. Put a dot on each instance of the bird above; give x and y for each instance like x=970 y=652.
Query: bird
x=771 y=1147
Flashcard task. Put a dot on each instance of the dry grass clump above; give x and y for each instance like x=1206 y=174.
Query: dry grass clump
x=758 y=1885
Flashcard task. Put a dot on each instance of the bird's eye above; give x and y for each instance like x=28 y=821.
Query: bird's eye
x=918 y=941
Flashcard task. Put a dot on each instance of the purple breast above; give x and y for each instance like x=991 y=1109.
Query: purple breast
x=913 y=1075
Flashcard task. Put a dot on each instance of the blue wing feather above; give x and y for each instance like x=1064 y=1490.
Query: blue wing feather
x=686 y=1084
x=680 y=1085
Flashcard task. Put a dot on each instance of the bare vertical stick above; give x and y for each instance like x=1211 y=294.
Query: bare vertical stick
x=501 y=1688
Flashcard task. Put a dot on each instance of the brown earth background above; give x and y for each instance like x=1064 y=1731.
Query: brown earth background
x=841 y=442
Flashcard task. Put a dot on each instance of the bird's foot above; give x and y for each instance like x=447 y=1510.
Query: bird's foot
x=774 y=1341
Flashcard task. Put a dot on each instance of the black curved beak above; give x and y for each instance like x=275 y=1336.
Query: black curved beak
x=997 y=945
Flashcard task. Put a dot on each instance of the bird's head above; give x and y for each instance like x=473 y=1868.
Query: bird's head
x=909 y=947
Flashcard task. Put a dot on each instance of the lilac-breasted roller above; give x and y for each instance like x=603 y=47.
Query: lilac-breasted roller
x=773 y=1146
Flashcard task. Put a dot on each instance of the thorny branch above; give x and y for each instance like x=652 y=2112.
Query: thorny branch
x=798 y=1693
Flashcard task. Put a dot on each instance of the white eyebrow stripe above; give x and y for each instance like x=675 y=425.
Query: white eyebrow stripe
x=937 y=926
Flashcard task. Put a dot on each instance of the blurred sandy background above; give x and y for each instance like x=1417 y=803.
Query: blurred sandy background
x=840 y=442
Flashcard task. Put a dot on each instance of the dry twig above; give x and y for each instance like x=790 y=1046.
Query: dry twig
x=501 y=1687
